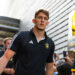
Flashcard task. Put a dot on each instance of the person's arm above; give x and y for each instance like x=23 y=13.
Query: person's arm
x=55 y=69
x=58 y=58
x=9 y=71
x=5 y=58
x=49 y=69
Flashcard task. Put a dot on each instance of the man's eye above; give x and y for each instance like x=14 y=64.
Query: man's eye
x=39 y=17
x=45 y=18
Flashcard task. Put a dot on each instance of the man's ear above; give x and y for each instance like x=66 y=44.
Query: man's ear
x=33 y=20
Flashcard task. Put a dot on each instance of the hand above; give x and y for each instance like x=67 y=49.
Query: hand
x=68 y=60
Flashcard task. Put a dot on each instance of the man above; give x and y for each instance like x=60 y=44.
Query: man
x=9 y=70
x=33 y=49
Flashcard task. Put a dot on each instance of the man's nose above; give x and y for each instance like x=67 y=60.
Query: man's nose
x=42 y=19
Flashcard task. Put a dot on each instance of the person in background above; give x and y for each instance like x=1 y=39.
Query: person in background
x=9 y=70
x=71 y=60
x=65 y=67
x=33 y=49
x=1 y=43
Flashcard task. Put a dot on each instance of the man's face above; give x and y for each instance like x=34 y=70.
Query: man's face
x=41 y=21
x=7 y=43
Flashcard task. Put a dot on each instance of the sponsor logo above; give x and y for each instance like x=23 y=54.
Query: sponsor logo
x=31 y=42
x=47 y=45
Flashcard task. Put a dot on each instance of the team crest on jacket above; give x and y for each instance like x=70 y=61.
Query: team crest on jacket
x=47 y=45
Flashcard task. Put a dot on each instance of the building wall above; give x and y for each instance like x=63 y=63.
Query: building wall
x=8 y=26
